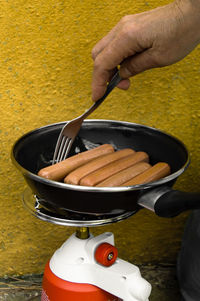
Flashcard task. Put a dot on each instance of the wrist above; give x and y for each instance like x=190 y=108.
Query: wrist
x=188 y=5
x=189 y=8
x=190 y=11
x=195 y=4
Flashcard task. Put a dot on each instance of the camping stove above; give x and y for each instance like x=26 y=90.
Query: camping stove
x=85 y=267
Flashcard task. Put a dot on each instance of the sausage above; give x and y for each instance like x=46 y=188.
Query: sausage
x=75 y=176
x=156 y=172
x=59 y=170
x=125 y=175
x=110 y=169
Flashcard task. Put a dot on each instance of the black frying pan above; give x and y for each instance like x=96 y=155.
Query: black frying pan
x=34 y=151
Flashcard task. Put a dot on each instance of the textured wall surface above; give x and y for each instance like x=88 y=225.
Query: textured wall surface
x=46 y=67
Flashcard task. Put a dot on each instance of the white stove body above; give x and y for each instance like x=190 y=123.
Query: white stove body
x=74 y=261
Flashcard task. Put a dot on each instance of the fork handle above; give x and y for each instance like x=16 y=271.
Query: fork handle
x=112 y=84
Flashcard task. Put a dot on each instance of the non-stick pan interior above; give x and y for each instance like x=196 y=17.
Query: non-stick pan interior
x=35 y=150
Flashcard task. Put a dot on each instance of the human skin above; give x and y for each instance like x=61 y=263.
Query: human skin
x=152 y=39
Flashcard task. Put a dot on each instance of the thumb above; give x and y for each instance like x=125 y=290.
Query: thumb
x=137 y=64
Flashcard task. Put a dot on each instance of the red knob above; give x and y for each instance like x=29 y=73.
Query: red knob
x=106 y=254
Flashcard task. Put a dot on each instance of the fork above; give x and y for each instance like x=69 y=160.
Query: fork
x=71 y=128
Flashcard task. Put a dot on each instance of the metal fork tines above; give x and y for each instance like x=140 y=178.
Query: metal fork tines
x=66 y=139
x=71 y=128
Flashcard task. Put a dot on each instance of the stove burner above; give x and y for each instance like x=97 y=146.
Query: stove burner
x=69 y=218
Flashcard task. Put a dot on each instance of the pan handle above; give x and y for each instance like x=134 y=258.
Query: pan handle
x=166 y=202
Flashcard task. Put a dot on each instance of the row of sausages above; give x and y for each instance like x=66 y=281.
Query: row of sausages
x=105 y=167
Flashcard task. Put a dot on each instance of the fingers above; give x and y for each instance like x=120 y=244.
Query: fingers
x=140 y=42
x=138 y=63
x=107 y=60
x=104 y=42
x=99 y=83
x=101 y=89
x=124 y=84
x=130 y=67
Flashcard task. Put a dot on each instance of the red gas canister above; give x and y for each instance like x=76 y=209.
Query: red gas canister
x=88 y=269
x=57 y=289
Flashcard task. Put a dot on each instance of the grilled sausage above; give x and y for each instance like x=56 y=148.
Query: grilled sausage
x=59 y=170
x=75 y=176
x=125 y=175
x=110 y=169
x=156 y=172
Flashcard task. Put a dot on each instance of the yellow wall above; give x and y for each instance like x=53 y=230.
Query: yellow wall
x=45 y=77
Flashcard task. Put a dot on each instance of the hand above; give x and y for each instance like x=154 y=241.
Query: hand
x=156 y=38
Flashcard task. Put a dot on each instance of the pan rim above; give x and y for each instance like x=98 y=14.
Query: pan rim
x=164 y=180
